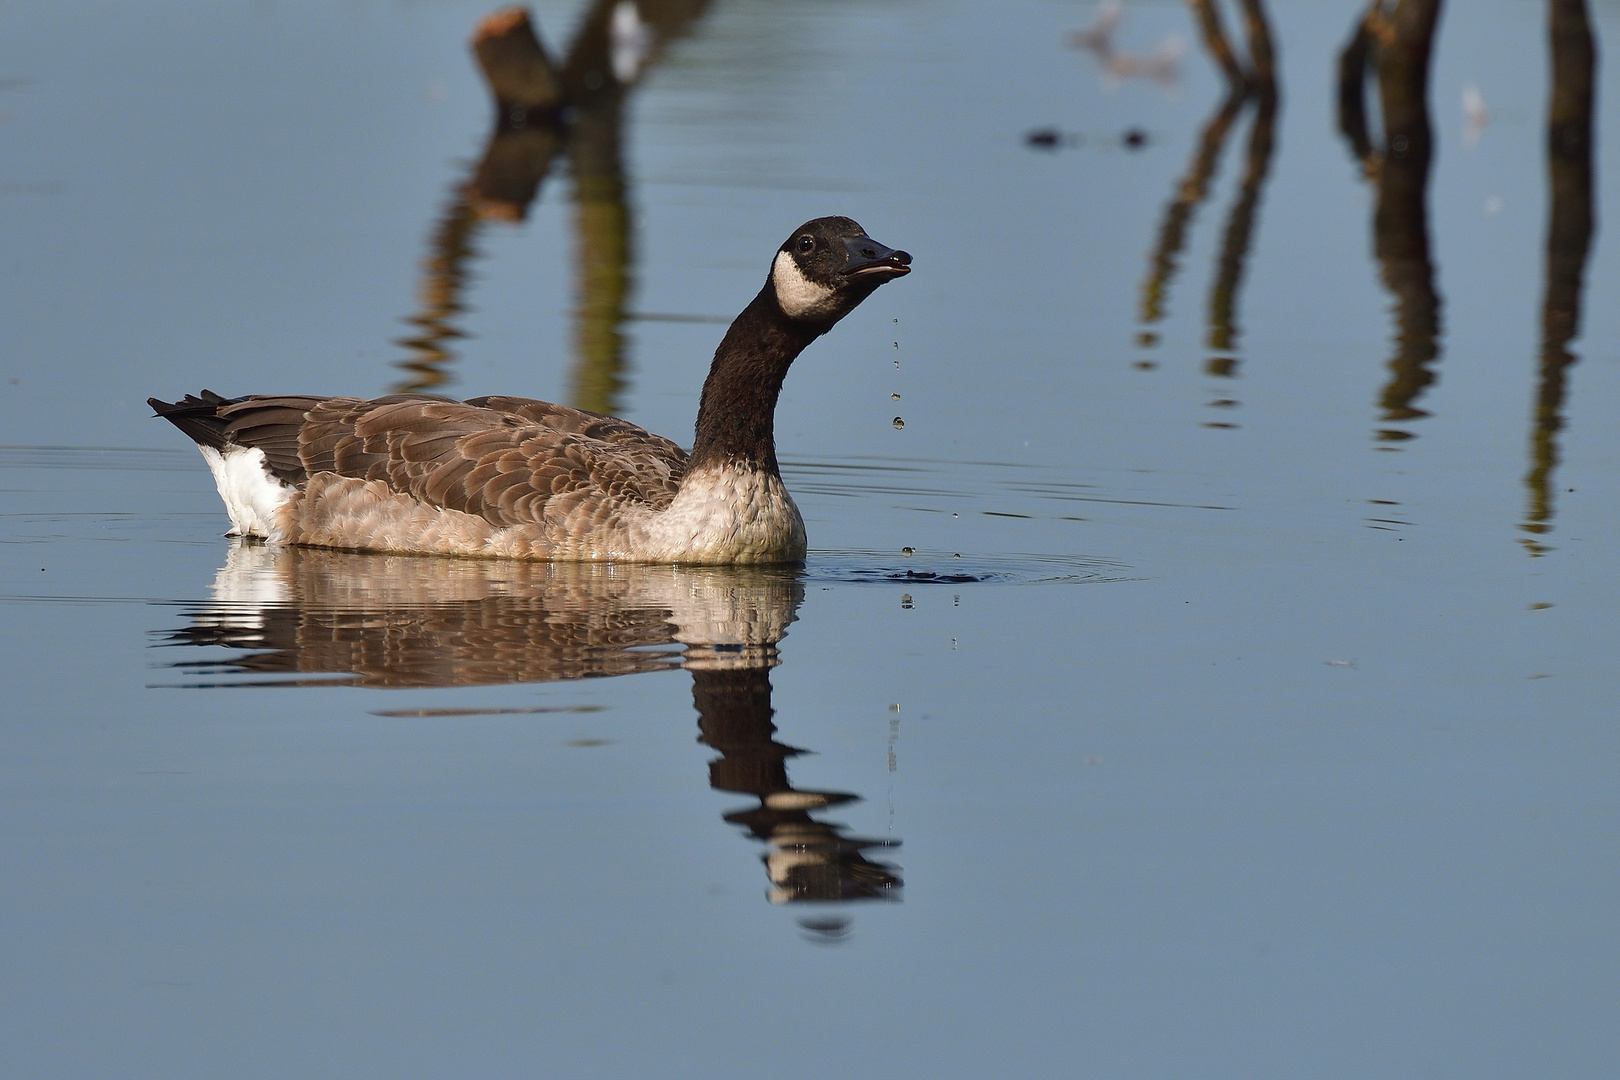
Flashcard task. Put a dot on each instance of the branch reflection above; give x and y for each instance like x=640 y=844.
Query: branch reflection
x=1251 y=83
x=1394 y=40
x=309 y=617
x=1570 y=225
x=541 y=111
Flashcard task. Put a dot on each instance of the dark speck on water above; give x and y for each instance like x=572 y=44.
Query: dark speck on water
x=931 y=578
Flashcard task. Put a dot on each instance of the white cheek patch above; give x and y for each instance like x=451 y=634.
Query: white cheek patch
x=797 y=295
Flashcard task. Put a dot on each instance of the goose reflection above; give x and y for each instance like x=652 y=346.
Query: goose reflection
x=306 y=617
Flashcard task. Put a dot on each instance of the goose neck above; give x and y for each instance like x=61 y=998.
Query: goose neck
x=736 y=422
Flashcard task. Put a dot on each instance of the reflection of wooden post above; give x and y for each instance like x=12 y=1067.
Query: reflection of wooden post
x=1191 y=191
x=1262 y=52
x=1398 y=42
x=1215 y=40
x=602 y=258
x=521 y=77
x=1570 y=224
x=602 y=255
x=1354 y=59
x=522 y=143
x=541 y=108
x=444 y=274
x=1257 y=84
x=1401 y=218
x=1239 y=233
x=596 y=81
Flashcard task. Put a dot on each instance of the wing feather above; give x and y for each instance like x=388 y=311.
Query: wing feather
x=508 y=460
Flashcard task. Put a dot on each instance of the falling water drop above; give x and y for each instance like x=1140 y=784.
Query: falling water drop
x=894 y=397
x=898 y=423
x=908 y=552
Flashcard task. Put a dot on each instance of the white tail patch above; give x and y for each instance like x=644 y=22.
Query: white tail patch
x=250 y=493
x=797 y=295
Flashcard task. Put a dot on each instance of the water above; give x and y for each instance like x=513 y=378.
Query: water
x=1243 y=706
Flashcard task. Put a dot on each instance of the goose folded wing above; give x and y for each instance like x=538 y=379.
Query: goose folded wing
x=494 y=464
x=509 y=460
x=593 y=425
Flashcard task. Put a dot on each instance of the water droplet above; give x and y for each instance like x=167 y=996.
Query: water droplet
x=956 y=515
x=897 y=322
x=898 y=423
x=896 y=397
x=897 y=344
x=897 y=365
x=908 y=552
x=958 y=555
x=905 y=602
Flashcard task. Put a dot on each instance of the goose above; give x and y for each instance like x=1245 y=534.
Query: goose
x=510 y=477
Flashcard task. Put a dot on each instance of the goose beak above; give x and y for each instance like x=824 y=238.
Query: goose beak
x=870 y=259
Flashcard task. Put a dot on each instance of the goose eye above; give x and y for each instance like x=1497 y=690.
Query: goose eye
x=807 y=244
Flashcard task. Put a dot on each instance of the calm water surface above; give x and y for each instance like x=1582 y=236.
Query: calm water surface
x=1214 y=675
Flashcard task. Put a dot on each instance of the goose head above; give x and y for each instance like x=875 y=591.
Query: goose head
x=828 y=266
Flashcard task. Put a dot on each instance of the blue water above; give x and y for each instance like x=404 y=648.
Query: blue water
x=1208 y=728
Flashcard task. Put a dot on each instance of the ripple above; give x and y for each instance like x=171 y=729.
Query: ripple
x=950 y=568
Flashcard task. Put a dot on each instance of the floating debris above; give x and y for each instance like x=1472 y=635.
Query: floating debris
x=1098 y=37
x=1162 y=65
x=1475 y=115
x=1050 y=138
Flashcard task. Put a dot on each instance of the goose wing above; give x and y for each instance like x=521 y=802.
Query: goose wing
x=508 y=460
